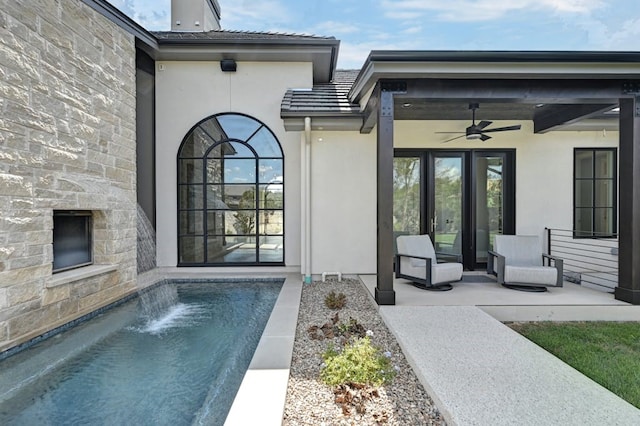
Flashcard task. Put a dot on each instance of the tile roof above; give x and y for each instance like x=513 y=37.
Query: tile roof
x=326 y=99
x=230 y=35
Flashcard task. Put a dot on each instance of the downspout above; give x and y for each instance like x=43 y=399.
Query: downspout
x=307 y=200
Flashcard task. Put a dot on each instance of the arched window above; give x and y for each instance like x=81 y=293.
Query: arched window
x=230 y=193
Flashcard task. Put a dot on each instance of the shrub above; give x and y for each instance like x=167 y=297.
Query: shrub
x=359 y=362
x=335 y=301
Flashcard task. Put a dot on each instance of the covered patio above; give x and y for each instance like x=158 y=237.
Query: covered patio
x=555 y=90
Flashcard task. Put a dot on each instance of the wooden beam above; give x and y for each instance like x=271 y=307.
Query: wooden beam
x=371 y=111
x=628 y=289
x=551 y=117
x=552 y=91
x=384 y=293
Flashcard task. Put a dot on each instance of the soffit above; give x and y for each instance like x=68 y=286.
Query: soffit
x=242 y=46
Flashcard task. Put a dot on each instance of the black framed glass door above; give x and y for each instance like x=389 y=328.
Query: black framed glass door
x=462 y=199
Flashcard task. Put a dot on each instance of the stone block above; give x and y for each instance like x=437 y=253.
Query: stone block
x=12 y=277
x=101 y=298
x=68 y=309
x=56 y=294
x=56 y=35
x=33 y=320
x=109 y=280
x=15 y=185
x=28 y=117
x=26 y=262
x=21 y=309
x=80 y=289
x=4 y=332
x=9 y=92
x=64 y=157
x=20 y=62
x=3 y=298
x=24 y=292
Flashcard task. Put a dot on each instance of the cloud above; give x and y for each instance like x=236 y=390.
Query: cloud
x=413 y=30
x=154 y=15
x=335 y=28
x=482 y=10
x=353 y=54
x=611 y=36
x=254 y=15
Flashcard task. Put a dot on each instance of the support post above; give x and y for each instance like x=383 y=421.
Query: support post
x=384 y=294
x=628 y=289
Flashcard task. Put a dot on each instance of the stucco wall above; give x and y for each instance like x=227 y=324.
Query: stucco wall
x=344 y=184
x=187 y=92
x=544 y=165
x=343 y=206
x=67 y=142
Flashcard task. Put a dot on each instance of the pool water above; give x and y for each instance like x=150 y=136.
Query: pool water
x=180 y=366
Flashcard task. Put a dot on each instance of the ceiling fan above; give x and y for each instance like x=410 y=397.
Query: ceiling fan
x=477 y=131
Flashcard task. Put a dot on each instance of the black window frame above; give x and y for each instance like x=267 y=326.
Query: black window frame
x=593 y=234
x=65 y=246
x=204 y=184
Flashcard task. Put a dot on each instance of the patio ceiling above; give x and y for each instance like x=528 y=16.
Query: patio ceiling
x=551 y=103
x=574 y=117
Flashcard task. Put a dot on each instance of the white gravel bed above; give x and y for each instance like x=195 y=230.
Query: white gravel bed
x=311 y=402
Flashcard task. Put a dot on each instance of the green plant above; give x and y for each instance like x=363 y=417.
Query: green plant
x=351 y=329
x=359 y=362
x=335 y=301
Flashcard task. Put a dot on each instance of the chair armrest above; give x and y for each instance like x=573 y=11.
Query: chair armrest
x=400 y=274
x=457 y=257
x=559 y=265
x=495 y=265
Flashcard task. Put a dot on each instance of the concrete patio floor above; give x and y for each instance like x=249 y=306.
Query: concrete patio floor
x=571 y=302
x=480 y=372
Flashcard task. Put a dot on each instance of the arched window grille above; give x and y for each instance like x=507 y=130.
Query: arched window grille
x=230 y=193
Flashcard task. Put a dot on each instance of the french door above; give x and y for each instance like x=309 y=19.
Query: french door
x=462 y=199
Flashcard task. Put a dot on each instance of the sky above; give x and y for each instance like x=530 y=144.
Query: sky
x=365 y=25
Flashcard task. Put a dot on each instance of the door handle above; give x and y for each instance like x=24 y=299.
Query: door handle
x=434 y=223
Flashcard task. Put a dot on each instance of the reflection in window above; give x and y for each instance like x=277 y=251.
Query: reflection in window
x=72 y=243
x=594 y=192
x=230 y=193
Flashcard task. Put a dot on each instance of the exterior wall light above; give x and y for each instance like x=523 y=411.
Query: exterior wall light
x=228 y=65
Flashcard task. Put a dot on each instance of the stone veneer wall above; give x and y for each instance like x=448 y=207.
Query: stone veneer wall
x=67 y=141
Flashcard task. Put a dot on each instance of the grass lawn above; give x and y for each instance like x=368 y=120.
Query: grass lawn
x=606 y=352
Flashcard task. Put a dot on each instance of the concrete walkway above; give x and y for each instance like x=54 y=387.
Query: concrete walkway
x=480 y=372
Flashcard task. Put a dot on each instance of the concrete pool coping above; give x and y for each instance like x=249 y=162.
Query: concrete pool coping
x=262 y=394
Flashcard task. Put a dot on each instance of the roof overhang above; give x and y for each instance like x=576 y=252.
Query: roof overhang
x=493 y=65
x=322 y=53
x=557 y=90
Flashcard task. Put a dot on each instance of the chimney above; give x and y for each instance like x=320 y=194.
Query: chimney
x=195 y=15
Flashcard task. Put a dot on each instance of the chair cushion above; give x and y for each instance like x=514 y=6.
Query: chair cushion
x=540 y=275
x=446 y=272
x=519 y=250
x=416 y=245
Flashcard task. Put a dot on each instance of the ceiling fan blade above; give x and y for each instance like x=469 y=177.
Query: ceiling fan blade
x=484 y=137
x=453 y=139
x=483 y=124
x=448 y=133
x=503 y=129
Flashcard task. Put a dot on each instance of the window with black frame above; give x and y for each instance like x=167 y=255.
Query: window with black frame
x=72 y=239
x=230 y=193
x=595 y=192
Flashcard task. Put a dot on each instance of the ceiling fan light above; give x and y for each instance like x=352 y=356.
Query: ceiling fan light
x=474 y=136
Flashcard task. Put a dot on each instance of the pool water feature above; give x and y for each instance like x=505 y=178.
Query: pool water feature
x=128 y=367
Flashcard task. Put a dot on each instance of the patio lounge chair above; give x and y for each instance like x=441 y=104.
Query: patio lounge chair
x=416 y=261
x=519 y=264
